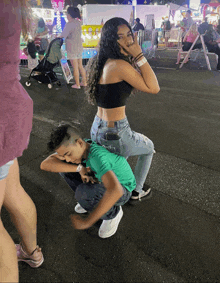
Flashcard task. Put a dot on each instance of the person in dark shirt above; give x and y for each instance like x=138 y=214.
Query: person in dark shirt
x=212 y=44
x=137 y=25
x=218 y=27
x=203 y=27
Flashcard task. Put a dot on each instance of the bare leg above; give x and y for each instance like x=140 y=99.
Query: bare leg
x=8 y=256
x=74 y=63
x=22 y=210
x=82 y=72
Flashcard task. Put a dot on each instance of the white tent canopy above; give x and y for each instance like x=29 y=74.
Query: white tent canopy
x=177 y=7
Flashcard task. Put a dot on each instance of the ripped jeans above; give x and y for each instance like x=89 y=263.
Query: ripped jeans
x=126 y=143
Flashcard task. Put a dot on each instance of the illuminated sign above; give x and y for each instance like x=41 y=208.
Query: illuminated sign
x=194 y=4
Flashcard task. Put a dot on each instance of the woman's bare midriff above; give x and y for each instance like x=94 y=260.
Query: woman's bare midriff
x=114 y=114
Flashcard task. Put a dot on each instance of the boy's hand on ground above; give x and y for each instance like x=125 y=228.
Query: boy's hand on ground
x=79 y=223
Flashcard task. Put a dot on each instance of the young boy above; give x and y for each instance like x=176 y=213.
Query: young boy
x=105 y=198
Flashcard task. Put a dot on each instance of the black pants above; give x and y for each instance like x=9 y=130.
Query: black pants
x=214 y=49
x=187 y=45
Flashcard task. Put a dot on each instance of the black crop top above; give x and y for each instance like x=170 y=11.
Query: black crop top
x=113 y=95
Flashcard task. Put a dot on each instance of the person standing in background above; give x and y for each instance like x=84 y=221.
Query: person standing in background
x=41 y=40
x=137 y=25
x=16 y=112
x=203 y=26
x=72 y=33
x=188 y=20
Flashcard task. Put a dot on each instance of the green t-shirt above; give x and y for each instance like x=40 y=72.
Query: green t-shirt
x=100 y=160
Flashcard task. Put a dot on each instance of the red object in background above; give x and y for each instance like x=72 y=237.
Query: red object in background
x=25 y=51
x=205 y=6
x=37 y=41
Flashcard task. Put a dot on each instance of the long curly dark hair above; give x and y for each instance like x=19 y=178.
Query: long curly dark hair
x=108 y=49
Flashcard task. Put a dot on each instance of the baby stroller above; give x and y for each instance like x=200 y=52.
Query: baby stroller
x=45 y=67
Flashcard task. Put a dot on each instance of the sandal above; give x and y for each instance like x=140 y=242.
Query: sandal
x=75 y=86
x=29 y=259
x=82 y=84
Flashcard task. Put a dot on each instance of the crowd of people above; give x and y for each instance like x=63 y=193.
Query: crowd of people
x=211 y=38
x=211 y=35
x=96 y=169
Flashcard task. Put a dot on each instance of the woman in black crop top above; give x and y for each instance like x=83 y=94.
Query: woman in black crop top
x=118 y=67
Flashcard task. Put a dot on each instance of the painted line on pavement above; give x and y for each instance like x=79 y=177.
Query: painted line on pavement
x=43 y=119
x=53 y=122
x=165 y=68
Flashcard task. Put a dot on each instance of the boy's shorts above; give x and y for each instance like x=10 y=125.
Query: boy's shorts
x=4 y=169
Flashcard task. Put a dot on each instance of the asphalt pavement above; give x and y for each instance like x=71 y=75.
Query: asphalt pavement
x=172 y=237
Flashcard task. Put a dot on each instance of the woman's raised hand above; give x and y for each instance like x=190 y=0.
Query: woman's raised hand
x=131 y=48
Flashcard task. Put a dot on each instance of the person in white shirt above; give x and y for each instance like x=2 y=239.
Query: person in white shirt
x=72 y=34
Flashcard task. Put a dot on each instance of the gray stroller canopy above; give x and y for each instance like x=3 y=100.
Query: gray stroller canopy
x=55 y=51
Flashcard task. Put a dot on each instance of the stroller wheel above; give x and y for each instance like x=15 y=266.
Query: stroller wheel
x=28 y=83
x=50 y=86
x=59 y=83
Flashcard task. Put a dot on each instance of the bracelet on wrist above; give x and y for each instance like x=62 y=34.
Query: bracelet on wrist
x=142 y=62
x=79 y=168
x=139 y=58
x=135 y=58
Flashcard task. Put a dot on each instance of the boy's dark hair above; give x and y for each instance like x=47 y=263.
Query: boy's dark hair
x=62 y=133
x=74 y=12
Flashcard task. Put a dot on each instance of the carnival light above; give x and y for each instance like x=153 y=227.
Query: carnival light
x=58 y=6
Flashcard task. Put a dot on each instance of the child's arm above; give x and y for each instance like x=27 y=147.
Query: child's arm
x=113 y=193
x=54 y=163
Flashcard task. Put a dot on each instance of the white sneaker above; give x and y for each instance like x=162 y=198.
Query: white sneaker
x=109 y=227
x=79 y=209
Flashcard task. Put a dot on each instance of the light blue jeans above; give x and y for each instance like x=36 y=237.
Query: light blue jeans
x=4 y=169
x=127 y=143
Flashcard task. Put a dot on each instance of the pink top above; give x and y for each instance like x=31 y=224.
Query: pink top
x=16 y=107
x=190 y=37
